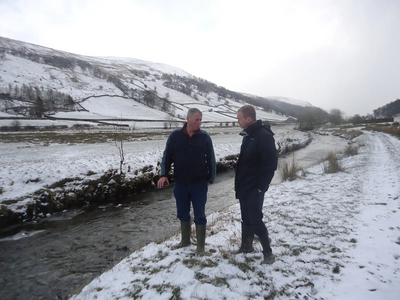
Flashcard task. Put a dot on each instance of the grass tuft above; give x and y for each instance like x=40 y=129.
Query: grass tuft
x=332 y=163
x=350 y=151
x=289 y=170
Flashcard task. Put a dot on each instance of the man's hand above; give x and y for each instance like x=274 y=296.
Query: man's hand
x=162 y=181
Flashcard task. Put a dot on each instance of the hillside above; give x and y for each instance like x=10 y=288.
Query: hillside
x=388 y=111
x=41 y=82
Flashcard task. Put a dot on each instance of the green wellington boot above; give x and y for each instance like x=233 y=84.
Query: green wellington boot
x=185 y=235
x=201 y=239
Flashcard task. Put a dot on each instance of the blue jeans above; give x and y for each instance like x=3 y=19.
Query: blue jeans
x=197 y=194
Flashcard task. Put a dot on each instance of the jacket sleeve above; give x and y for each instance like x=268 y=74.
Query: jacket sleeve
x=211 y=160
x=269 y=161
x=167 y=158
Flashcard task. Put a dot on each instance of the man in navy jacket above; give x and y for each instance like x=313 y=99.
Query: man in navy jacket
x=254 y=171
x=191 y=151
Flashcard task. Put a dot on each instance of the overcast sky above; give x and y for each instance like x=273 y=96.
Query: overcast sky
x=340 y=54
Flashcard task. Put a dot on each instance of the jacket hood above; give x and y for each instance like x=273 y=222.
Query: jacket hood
x=254 y=127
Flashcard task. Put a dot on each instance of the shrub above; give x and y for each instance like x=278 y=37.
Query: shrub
x=16 y=125
x=336 y=269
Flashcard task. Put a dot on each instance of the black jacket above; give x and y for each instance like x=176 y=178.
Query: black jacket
x=257 y=161
x=193 y=157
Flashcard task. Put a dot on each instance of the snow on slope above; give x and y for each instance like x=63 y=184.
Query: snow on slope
x=86 y=76
x=291 y=101
x=116 y=107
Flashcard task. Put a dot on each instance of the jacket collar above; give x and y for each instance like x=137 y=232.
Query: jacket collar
x=184 y=130
x=251 y=128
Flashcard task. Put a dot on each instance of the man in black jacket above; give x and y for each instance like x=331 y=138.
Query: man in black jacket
x=254 y=171
x=191 y=151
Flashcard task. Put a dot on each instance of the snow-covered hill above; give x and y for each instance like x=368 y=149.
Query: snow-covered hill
x=291 y=101
x=110 y=88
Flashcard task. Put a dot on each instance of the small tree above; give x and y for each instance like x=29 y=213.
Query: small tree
x=171 y=121
x=16 y=125
x=336 y=116
x=149 y=98
x=39 y=107
x=306 y=120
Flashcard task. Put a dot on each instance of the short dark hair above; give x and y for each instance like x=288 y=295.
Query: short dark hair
x=193 y=110
x=248 y=111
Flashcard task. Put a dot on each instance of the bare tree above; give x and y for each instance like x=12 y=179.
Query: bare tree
x=119 y=143
x=39 y=107
x=336 y=116
x=171 y=121
x=16 y=125
x=149 y=98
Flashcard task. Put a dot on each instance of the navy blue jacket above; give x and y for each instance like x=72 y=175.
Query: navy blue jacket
x=257 y=161
x=193 y=157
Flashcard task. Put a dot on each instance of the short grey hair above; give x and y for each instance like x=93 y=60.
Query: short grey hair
x=192 y=111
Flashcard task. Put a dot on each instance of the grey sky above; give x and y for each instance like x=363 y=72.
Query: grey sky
x=332 y=53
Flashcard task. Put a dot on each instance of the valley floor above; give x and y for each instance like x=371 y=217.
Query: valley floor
x=37 y=163
x=335 y=236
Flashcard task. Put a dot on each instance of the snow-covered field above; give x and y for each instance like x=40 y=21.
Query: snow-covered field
x=335 y=236
x=27 y=167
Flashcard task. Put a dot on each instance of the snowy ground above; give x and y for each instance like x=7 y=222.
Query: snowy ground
x=28 y=167
x=336 y=236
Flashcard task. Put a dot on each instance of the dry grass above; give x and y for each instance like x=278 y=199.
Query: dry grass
x=289 y=170
x=332 y=164
x=350 y=151
x=393 y=129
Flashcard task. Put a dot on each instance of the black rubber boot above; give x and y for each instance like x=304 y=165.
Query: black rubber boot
x=185 y=235
x=201 y=239
x=269 y=258
x=247 y=240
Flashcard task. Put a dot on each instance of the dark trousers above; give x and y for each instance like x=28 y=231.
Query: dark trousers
x=252 y=215
x=186 y=193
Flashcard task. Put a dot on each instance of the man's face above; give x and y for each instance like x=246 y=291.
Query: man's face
x=194 y=121
x=243 y=122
